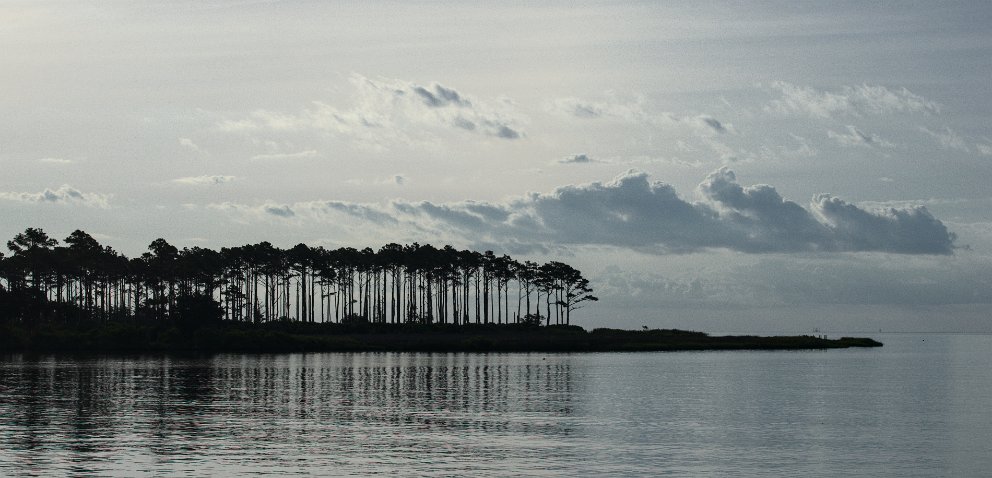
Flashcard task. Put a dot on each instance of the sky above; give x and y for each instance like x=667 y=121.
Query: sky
x=761 y=167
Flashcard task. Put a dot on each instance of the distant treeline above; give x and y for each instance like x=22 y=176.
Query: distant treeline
x=82 y=280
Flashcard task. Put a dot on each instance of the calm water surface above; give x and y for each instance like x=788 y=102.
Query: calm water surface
x=920 y=406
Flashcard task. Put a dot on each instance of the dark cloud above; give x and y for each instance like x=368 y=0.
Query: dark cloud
x=440 y=97
x=714 y=124
x=584 y=110
x=463 y=123
x=65 y=194
x=767 y=221
x=281 y=211
x=909 y=231
x=576 y=159
x=360 y=211
x=506 y=132
x=632 y=211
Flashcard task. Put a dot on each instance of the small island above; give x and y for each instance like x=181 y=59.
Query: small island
x=86 y=297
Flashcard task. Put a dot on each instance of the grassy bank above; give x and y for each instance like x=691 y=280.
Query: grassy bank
x=301 y=337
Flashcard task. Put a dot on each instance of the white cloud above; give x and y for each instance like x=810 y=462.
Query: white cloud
x=984 y=149
x=310 y=153
x=65 y=194
x=856 y=137
x=576 y=159
x=204 y=180
x=393 y=110
x=55 y=161
x=189 y=144
x=802 y=148
x=849 y=100
x=638 y=112
x=948 y=139
x=394 y=180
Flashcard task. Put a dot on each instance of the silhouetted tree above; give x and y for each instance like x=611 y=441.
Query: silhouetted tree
x=259 y=282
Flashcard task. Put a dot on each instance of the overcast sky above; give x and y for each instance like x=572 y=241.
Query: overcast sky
x=775 y=167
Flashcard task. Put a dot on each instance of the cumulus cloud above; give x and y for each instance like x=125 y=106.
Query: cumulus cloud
x=856 y=137
x=849 y=100
x=65 y=194
x=948 y=139
x=911 y=230
x=631 y=211
x=392 y=109
x=638 y=112
x=204 y=180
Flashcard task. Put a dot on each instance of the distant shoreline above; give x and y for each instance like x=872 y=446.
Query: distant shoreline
x=278 y=337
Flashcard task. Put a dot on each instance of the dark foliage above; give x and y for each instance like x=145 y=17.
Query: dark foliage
x=84 y=281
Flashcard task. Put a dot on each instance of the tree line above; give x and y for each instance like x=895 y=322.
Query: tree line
x=81 y=279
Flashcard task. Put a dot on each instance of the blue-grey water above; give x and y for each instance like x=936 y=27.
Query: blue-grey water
x=920 y=406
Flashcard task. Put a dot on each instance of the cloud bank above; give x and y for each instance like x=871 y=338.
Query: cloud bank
x=634 y=212
x=65 y=194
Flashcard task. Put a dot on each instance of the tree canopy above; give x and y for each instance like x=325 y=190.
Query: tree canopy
x=81 y=279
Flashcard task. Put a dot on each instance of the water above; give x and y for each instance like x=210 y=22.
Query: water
x=920 y=406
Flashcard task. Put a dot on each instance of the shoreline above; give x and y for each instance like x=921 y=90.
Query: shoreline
x=280 y=337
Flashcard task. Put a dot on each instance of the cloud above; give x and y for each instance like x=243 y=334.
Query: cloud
x=204 y=180
x=984 y=149
x=948 y=139
x=649 y=216
x=307 y=212
x=310 y=153
x=55 y=161
x=802 y=148
x=189 y=144
x=440 y=96
x=576 y=159
x=247 y=213
x=856 y=137
x=912 y=230
x=65 y=194
x=637 y=112
x=394 y=110
x=394 y=180
x=849 y=100
x=281 y=211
